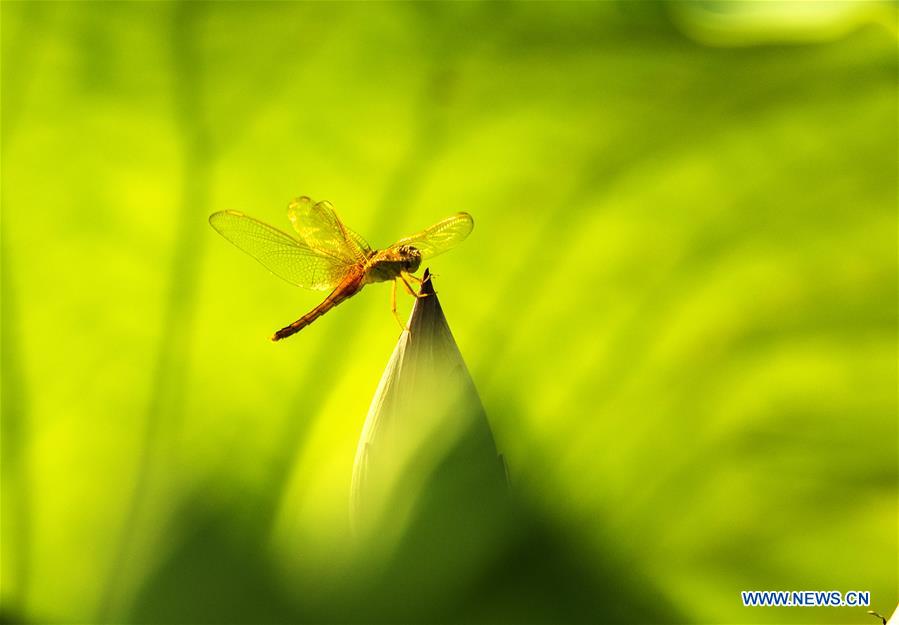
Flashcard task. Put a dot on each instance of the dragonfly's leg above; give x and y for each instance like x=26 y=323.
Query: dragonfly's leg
x=410 y=289
x=404 y=275
x=393 y=306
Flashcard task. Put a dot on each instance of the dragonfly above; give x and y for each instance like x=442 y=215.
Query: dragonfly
x=325 y=255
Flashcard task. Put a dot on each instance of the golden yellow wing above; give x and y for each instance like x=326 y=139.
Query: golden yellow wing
x=441 y=237
x=282 y=254
x=321 y=229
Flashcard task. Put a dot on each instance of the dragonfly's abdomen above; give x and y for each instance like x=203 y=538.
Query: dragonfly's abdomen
x=351 y=285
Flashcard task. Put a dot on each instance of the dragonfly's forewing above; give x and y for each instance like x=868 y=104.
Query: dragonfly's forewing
x=441 y=237
x=321 y=229
x=282 y=254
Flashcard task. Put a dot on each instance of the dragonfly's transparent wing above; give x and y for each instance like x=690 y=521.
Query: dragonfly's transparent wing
x=280 y=253
x=441 y=237
x=321 y=229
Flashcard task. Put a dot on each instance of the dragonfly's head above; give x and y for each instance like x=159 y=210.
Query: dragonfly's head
x=410 y=257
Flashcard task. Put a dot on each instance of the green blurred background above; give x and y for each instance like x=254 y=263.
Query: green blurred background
x=678 y=303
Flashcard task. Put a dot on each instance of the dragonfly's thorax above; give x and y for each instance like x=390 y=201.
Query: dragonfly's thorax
x=388 y=264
